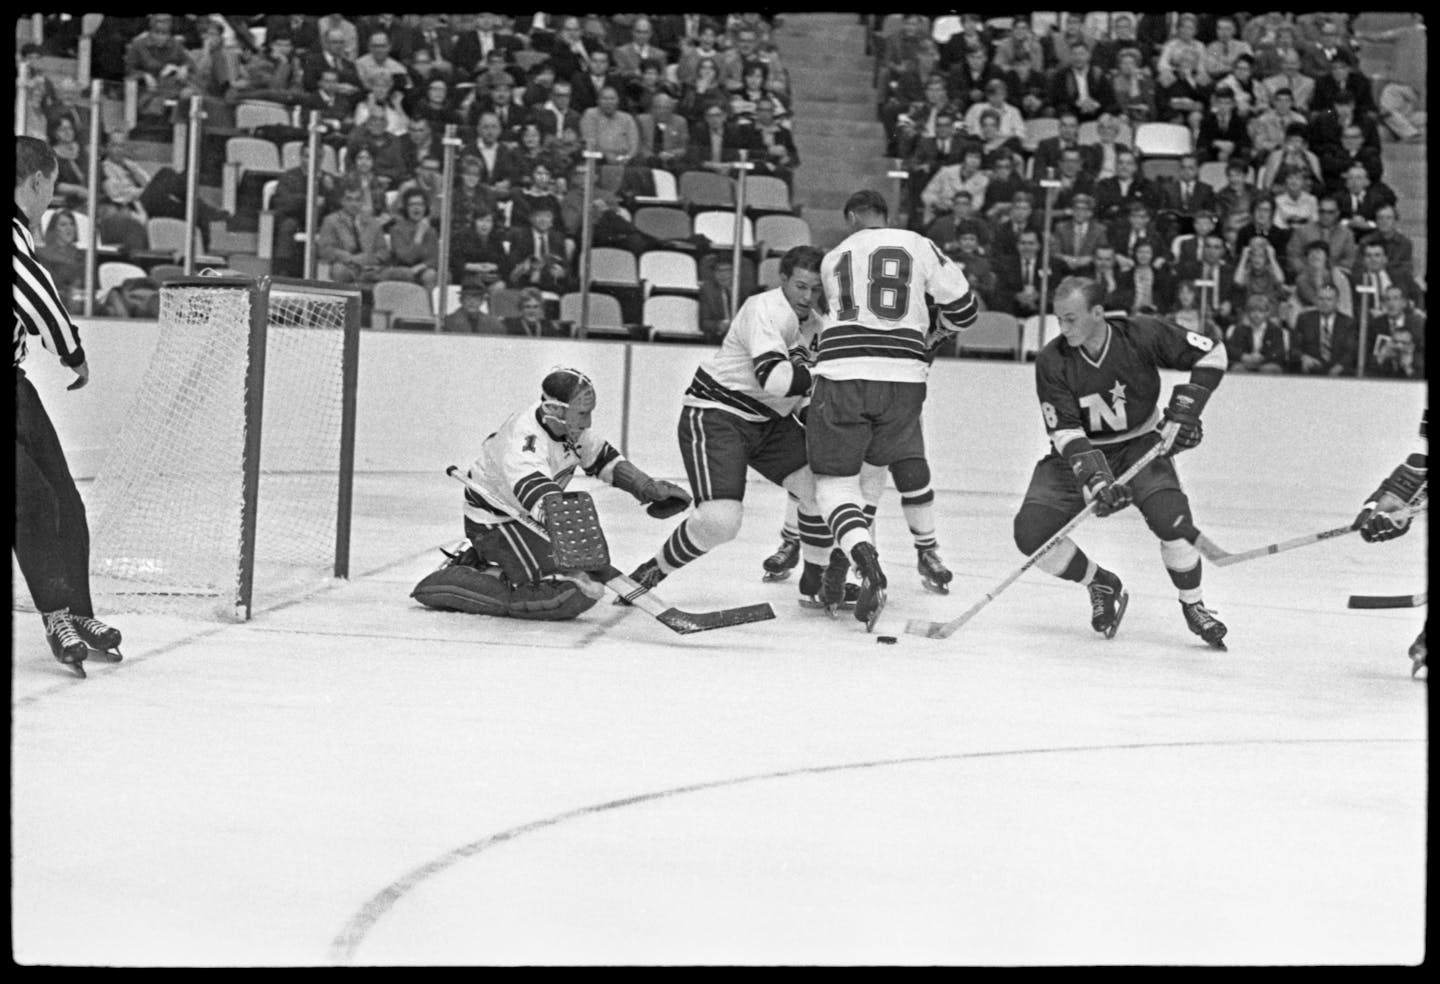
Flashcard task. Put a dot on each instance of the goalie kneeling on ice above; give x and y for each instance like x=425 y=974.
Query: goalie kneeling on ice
x=460 y=587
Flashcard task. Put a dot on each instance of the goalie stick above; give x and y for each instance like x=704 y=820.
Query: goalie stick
x=943 y=630
x=641 y=597
x=1221 y=557
x=1388 y=601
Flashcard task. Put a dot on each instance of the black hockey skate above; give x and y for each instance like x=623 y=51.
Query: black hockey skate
x=102 y=640
x=934 y=575
x=812 y=585
x=872 y=584
x=462 y=553
x=65 y=642
x=647 y=575
x=784 y=560
x=1202 y=622
x=1417 y=654
x=1108 y=601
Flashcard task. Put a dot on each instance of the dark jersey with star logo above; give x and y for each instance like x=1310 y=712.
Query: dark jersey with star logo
x=1115 y=396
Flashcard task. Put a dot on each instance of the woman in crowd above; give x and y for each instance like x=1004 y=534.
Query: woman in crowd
x=414 y=240
x=1186 y=312
x=1134 y=87
x=434 y=104
x=704 y=92
x=772 y=146
x=1238 y=195
x=384 y=99
x=362 y=174
x=1295 y=206
x=1183 y=92
x=541 y=191
x=532 y=149
x=1262 y=223
x=477 y=253
x=1259 y=273
x=754 y=86
x=1318 y=271
x=1149 y=285
x=63 y=256
x=532 y=320
x=71 y=182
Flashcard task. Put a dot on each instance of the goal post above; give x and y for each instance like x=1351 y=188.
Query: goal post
x=232 y=474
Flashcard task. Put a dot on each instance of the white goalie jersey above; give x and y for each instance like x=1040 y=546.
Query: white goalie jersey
x=521 y=463
x=876 y=318
x=765 y=338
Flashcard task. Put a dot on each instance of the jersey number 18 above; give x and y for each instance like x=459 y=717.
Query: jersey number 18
x=889 y=294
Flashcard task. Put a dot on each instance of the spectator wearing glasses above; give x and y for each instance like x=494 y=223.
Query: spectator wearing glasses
x=1339 y=241
x=1251 y=96
x=377 y=63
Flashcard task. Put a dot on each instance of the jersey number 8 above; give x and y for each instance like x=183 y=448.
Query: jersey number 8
x=889 y=293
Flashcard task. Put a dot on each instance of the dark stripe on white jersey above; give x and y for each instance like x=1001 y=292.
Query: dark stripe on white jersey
x=765 y=363
x=704 y=387
x=531 y=488
x=856 y=341
x=38 y=308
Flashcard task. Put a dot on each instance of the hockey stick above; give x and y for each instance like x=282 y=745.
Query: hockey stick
x=943 y=630
x=636 y=594
x=1221 y=557
x=1389 y=601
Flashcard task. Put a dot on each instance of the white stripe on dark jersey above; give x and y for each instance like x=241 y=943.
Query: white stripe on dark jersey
x=39 y=310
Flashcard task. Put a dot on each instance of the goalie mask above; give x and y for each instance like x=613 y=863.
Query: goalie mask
x=567 y=397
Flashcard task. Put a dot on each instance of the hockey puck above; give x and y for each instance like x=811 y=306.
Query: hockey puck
x=888 y=640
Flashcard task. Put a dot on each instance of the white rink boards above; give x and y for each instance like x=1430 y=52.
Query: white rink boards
x=352 y=779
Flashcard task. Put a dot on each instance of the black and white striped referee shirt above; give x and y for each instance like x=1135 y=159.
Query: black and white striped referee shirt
x=38 y=307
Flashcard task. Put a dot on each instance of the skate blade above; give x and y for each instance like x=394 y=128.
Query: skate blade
x=106 y=655
x=934 y=587
x=1120 y=607
x=771 y=576
x=77 y=668
x=880 y=599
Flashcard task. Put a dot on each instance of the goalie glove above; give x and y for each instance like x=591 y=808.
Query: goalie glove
x=665 y=499
x=1097 y=482
x=1186 y=402
x=1378 y=520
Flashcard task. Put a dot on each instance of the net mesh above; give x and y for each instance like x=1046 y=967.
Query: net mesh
x=166 y=510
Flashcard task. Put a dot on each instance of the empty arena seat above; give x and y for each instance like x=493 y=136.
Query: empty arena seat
x=663 y=223
x=604 y=320
x=668 y=270
x=672 y=317
x=781 y=232
x=719 y=228
x=706 y=190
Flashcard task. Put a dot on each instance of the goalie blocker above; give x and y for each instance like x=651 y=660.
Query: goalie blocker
x=508 y=569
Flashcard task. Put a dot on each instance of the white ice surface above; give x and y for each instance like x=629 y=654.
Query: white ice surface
x=351 y=778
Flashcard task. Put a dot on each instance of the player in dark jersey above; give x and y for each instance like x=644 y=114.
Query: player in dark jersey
x=1099 y=390
x=1384 y=515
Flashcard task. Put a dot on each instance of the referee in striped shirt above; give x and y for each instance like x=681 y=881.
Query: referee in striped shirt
x=52 y=538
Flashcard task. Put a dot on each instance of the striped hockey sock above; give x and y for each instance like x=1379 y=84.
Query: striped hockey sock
x=680 y=549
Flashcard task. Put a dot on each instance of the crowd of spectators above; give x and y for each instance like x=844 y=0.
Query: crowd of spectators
x=1278 y=255
x=527 y=94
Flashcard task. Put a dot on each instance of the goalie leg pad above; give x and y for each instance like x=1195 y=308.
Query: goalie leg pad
x=575 y=534
x=459 y=588
x=557 y=600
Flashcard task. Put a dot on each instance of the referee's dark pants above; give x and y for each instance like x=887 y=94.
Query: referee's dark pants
x=52 y=538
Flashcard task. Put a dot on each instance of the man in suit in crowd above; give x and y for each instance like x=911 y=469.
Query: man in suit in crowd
x=1213 y=266
x=1081 y=87
x=1114 y=196
x=1181 y=199
x=1399 y=251
x=1328 y=128
x=1107 y=274
x=472 y=318
x=587 y=85
x=537 y=253
x=1374 y=272
x=1328 y=229
x=472 y=49
x=640 y=49
x=556 y=114
x=1076 y=237
x=715 y=307
x=1361 y=200
x=664 y=134
x=1301 y=86
x=1326 y=341
x=1019 y=277
x=1258 y=343
x=715 y=142
x=1049 y=151
x=499 y=163
x=1397 y=336
x=1020 y=218
x=333 y=56
x=1074 y=180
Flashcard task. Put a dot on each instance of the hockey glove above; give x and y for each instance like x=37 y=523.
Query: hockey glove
x=1186 y=402
x=1378 y=520
x=1097 y=482
x=665 y=498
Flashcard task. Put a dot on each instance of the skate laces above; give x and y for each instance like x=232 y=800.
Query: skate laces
x=58 y=624
x=1100 y=594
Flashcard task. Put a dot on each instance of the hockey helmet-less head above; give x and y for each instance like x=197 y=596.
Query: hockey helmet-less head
x=567 y=396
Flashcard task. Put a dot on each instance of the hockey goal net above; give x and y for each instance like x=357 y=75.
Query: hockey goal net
x=231 y=475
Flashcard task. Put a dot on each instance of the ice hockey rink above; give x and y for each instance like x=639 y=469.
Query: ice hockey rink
x=351 y=779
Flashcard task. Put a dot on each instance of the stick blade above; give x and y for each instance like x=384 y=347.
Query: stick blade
x=686 y=623
x=930 y=630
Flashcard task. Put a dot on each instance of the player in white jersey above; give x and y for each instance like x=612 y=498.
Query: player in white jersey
x=739 y=413
x=871 y=370
x=507 y=569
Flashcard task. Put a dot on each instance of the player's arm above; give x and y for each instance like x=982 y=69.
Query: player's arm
x=945 y=281
x=1061 y=410
x=779 y=370
x=1172 y=347
x=600 y=459
x=1386 y=513
x=527 y=471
